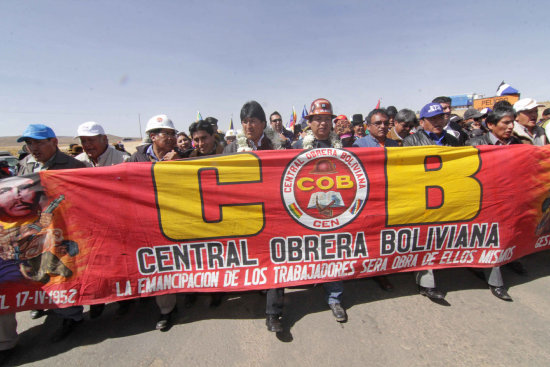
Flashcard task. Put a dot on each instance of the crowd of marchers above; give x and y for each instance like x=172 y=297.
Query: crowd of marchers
x=503 y=124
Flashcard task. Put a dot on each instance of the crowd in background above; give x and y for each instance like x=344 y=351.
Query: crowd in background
x=503 y=124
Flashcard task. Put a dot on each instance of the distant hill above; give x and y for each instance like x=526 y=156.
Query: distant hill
x=10 y=143
x=63 y=140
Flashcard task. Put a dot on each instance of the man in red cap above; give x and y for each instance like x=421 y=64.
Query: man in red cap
x=342 y=127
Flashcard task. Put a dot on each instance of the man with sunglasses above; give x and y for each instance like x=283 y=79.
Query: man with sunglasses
x=276 y=122
x=378 y=124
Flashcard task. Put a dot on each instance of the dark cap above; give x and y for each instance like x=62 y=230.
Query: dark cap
x=211 y=120
x=472 y=113
x=357 y=119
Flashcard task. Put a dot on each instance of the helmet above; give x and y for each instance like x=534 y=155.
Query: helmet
x=230 y=133
x=159 y=122
x=321 y=106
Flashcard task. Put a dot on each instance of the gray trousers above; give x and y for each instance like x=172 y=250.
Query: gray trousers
x=493 y=276
x=8 y=331
x=425 y=278
x=166 y=303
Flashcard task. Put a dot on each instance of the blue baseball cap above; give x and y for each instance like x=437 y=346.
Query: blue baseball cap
x=431 y=110
x=38 y=132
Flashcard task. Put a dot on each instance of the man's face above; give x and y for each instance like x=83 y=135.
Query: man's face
x=164 y=140
x=378 y=126
x=253 y=128
x=503 y=128
x=528 y=118
x=321 y=126
x=94 y=146
x=392 y=122
x=204 y=142
x=402 y=128
x=446 y=110
x=42 y=149
x=434 y=124
x=342 y=127
x=17 y=198
x=359 y=130
x=276 y=123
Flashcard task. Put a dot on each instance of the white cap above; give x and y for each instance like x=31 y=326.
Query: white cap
x=230 y=133
x=159 y=122
x=89 y=128
x=526 y=104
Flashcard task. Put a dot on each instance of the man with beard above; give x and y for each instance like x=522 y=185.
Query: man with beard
x=321 y=136
x=276 y=122
x=19 y=200
x=28 y=250
x=343 y=129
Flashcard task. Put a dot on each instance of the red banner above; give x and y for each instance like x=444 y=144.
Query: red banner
x=266 y=219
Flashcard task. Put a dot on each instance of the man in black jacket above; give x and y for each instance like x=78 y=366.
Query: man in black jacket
x=433 y=122
x=256 y=135
x=501 y=125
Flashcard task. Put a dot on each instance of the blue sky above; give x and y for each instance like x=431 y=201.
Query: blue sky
x=66 y=62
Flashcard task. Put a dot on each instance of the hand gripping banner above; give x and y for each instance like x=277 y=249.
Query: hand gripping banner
x=266 y=219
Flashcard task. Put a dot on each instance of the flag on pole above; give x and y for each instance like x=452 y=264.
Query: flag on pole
x=292 y=121
x=303 y=119
x=378 y=104
x=505 y=89
x=199 y=117
x=231 y=124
